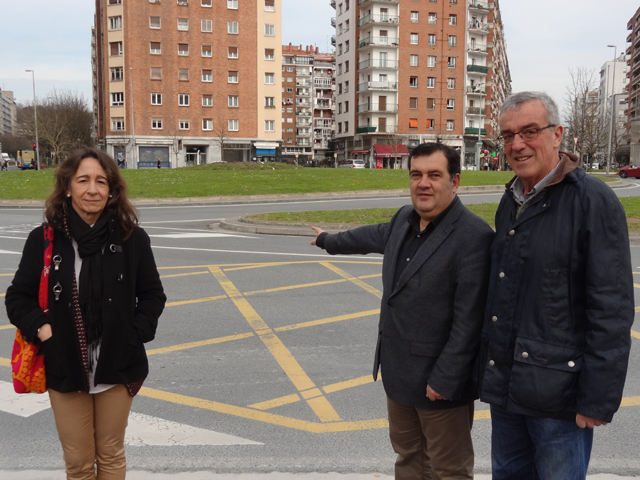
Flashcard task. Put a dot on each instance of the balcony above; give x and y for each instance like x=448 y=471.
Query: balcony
x=474 y=131
x=363 y=87
x=380 y=18
x=478 y=7
x=303 y=83
x=478 y=27
x=475 y=48
x=333 y=40
x=333 y=21
x=333 y=3
x=376 y=107
x=381 y=64
x=374 y=129
x=303 y=93
x=303 y=113
x=323 y=105
x=363 y=3
x=476 y=111
x=304 y=123
x=477 y=69
x=476 y=90
x=379 y=42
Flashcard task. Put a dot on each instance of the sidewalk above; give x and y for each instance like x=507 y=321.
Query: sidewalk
x=141 y=475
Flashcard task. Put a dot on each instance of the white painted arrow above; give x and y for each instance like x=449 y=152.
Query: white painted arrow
x=197 y=235
x=10 y=252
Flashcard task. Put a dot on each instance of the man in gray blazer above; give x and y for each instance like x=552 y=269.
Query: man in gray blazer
x=434 y=274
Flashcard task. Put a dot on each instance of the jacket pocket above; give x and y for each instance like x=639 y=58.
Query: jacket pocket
x=544 y=376
x=555 y=298
x=134 y=352
x=425 y=349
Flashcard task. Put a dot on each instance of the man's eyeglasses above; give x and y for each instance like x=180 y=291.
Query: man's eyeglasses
x=526 y=135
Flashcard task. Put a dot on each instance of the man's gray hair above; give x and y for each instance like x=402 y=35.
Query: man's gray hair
x=515 y=101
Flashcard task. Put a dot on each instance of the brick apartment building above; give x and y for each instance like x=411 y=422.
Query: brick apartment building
x=308 y=103
x=633 y=86
x=415 y=71
x=187 y=81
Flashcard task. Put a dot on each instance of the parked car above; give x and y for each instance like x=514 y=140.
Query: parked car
x=352 y=163
x=630 y=171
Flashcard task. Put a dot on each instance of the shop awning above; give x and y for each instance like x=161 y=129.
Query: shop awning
x=361 y=152
x=386 y=151
x=267 y=145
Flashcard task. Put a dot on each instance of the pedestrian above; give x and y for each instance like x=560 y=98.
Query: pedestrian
x=434 y=276
x=159 y=164
x=105 y=297
x=556 y=335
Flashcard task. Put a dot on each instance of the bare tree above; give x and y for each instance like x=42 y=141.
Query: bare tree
x=11 y=144
x=220 y=130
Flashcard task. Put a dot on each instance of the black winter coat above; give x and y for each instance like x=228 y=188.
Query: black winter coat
x=556 y=335
x=132 y=301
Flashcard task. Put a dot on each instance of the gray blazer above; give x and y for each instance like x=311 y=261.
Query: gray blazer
x=430 y=322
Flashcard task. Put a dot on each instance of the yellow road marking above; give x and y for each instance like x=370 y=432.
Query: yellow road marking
x=635 y=334
x=352 y=279
x=197 y=300
x=356 y=382
x=301 y=262
x=6 y=327
x=636 y=285
x=323 y=321
x=630 y=402
x=276 y=402
x=228 y=266
x=482 y=414
x=291 y=287
x=637 y=309
x=2 y=294
x=7 y=274
x=213 y=341
x=5 y=362
x=281 y=354
x=184 y=274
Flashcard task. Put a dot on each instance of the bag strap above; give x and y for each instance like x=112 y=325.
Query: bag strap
x=43 y=293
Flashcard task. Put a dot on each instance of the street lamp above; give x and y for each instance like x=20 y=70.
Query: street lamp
x=35 y=117
x=613 y=103
x=133 y=125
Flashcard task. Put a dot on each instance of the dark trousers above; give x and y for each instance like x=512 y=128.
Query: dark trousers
x=431 y=444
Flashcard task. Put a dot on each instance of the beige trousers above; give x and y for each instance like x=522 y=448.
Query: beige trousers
x=91 y=430
x=431 y=444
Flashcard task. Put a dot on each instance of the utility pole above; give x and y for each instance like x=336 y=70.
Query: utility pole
x=613 y=103
x=35 y=117
x=133 y=125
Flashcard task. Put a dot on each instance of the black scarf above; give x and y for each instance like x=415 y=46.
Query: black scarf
x=91 y=241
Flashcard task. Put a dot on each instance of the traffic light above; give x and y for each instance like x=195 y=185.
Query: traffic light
x=35 y=146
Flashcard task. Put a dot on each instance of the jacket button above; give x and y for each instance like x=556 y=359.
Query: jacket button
x=525 y=355
x=109 y=300
x=494 y=319
x=492 y=363
x=571 y=363
x=501 y=274
x=512 y=232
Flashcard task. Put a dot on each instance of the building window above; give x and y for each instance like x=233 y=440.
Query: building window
x=232 y=4
x=156 y=73
x=233 y=125
x=413 y=60
x=346 y=66
x=431 y=61
x=183 y=24
x=346 y=127
x=452 y=41
x=207 y=75
x=430 y=124
x=154 y=22
x=207 y=51
x=232 y=52
x=115 y=2
x=207 y=100
x=432 y=40
x=156 y=123
x=346 y=107
x=451 y=103
x=117 y=123
x=269 y=30
x=207 y=124
x=206 y=25
x=451 y=83
x=413 y=124
x=432 y=18
x=115 y=23
x=232 y=101
x=183 y=49
x=270 y=78
x=340 y=49
x=232 y=77
x=269 y=125
x=413 y=103
x=269 y=54
x=184 y=124
x=431 y=82
x=117 y=99
x=205 y=3
x=156 y=99
x=269 y=5
x=115 y=49
x=451 y=62
x=232 y=28
x=183 y=99
x=414 y=17
x=339 y=127
x=453 y=20
x=183 y=2
x=431 y=103
x=450 y=125
x=183 y=74
x=117 y=74
x=155 y=48
x=414 y=39
x=269 y=102
x=413 y=82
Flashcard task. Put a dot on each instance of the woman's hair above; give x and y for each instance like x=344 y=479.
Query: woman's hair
x=58 y=204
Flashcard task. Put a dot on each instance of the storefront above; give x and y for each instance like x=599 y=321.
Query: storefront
x=265 y=151
x=363 y=154
x=389 y=156
x=150 y=156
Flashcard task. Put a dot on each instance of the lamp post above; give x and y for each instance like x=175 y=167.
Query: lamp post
x=35 y=117
x=133 y=125
x=613 y=103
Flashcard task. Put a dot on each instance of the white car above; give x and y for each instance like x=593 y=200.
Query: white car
x=352 y=163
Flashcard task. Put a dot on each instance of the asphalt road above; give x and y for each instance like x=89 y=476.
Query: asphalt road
x=263 y=356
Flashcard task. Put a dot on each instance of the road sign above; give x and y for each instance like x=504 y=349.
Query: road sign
x=575 y=140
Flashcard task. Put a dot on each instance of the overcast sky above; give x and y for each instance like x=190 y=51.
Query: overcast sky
x=544 y=39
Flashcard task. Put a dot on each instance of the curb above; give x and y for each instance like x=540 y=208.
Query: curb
x=245 y=225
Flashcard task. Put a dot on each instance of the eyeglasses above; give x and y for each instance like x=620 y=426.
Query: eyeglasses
x=526 y=135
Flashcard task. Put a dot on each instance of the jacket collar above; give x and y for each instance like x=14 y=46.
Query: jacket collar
x=568 y=163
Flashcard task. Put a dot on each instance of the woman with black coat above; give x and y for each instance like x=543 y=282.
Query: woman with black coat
x=105 y=298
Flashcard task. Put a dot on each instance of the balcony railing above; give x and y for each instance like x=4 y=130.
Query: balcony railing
x=474 y=131
x=376 y=107
x=333 y=40
x=377 y=86
x=379 y=42
x=476 y=111
x=333 y=21
x=474 y=48
x=476 y=5
x=391 y=64
x=377 y=18
x=332 y=3
x=379 y=129
x=479 y=26
x=362 y=2
x=476 y=90
x=477 y=69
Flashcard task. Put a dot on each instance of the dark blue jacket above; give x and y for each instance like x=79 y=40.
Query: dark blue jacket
x=556 y=334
